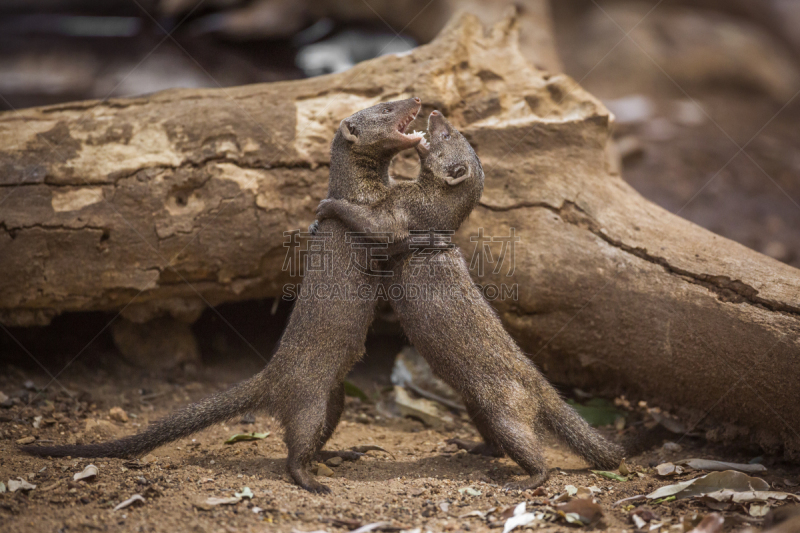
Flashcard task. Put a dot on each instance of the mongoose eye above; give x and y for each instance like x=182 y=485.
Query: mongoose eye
x=387 y=110
x=445 y=135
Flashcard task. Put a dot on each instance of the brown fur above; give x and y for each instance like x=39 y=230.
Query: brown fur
x=302 y=385
x=453 y=326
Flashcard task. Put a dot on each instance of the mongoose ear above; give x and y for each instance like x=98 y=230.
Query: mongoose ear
x=461 y=171
x=348 y=131
x=458 y=174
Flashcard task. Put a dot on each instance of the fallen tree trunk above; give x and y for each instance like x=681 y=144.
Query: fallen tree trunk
x=180 y=199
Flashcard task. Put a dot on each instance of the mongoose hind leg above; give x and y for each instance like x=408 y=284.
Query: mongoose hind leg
x=488 y=447
x=520 y=441
x=303 y=435
x=332 y=417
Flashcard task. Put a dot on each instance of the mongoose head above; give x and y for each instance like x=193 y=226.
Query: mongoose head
x=448 y=156
x=379 y=131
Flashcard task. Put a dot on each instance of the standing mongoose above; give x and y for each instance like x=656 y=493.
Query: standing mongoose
x=453 y=326
x=302 y=385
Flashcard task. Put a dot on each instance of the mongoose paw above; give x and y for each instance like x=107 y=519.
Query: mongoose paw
x=526 y=484
x=325 y=209
x=351 y=456
x=477 y=448
x=487 y=450
x=324 y=455
x=316 y=487
x=314 y=227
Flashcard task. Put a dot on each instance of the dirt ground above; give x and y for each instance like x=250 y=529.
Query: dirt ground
x=415 y=485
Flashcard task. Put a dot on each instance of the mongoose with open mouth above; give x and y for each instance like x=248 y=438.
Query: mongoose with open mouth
x=431 y=202
x=452 y=325
x=302 y=385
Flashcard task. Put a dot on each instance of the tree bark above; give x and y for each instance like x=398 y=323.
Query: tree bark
x=180 y=199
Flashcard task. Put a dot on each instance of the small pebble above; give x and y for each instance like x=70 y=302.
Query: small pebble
x=323 y=470
x=26 y=440
x=334 y=461
x=118 y=414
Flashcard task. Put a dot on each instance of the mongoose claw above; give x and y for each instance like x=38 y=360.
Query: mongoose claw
x=325 y=209
x=351 y=456
x=476 y=448
x=316 y=487
x=314 y=227
x=324 y=455
x=526 y=484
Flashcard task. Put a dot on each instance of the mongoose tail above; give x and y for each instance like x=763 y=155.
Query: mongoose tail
x=242 y=398
x=581 y=438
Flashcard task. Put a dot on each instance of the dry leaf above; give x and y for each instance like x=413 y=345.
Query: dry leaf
x=242 y=437
x=713 y=482
x=246 y=493
x=586 y=493
x=88 y=474
x=130 y=501
x=222 y=501
x=19 y=484
x=609 y=475
x=708 y=464
x=431 y=413
x=749 y=496
x=588 y=511
x=631 y=499
x=645 y=513
x=757 y=510
x=668 y=469
x=710 y=524
x=371 y=527
x=518 y=518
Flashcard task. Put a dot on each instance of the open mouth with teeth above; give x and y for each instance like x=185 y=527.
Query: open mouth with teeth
x=413 y=137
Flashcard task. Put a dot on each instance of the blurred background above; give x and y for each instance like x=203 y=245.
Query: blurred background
x=704 y=91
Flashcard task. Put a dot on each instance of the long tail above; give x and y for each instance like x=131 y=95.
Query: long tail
x=582 y=438
x=244 y=397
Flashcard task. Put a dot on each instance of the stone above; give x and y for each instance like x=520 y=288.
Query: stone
x=334 y=461
x=118 y=414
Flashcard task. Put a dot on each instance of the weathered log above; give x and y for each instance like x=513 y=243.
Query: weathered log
x=180 y=199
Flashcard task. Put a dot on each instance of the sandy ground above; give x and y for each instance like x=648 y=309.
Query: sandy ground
x=415 y=486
